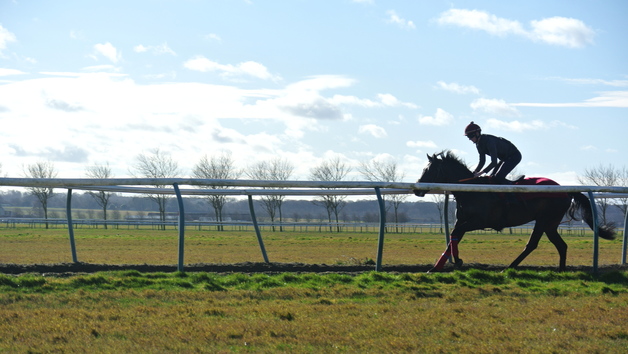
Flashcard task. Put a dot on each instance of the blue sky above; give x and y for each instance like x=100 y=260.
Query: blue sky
x=86 y=82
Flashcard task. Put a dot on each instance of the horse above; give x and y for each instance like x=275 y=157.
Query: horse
x=494 y=210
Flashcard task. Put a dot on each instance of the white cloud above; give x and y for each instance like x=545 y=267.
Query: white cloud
x=392 y=101
x=354 y=100
x=162 y=49
x=318 y=108
x=373 y=129
x=304 y=98
x=494 y=106
x=562 y=31
x=108 y=51
x=615 y=83
x=401 y=22
x=256 y=70
x=481 y=20
x=100 y=68
x=213 y=37
x=5 y=38
x=321 y=82
x=8 y=72
x=617 y=99
x=249 y=68
x=383 y=100
x=193 y=112
x=421 y=144
x=77 y=35
x=140 y=48
x=516 y=126
x=567 y=32
x=441 y=117
x=457 y=88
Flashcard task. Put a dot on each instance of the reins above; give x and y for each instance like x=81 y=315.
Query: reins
x=466 y=179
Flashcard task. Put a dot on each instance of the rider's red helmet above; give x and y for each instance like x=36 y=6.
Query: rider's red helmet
x=472 y=128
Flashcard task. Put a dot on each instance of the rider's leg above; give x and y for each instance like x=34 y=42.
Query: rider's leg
x=506 y=167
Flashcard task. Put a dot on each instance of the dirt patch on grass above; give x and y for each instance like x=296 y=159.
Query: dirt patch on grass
x=60 y=269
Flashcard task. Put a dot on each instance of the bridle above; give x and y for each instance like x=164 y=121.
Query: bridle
x=467 y=179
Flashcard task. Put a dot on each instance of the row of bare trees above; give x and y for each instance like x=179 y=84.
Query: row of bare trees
x=157 y=164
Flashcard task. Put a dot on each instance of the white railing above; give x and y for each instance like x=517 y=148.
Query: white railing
x=250 y=188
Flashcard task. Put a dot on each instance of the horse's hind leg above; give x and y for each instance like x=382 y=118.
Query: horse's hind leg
x=533 y=242
x=561 y=247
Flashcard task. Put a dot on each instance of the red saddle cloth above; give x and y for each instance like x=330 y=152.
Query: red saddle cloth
x=539 y=181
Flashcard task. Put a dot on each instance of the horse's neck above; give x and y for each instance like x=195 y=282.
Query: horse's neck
x=460 y=174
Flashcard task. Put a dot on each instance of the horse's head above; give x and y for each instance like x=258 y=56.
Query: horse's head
x=443 y=167
x=431 y=173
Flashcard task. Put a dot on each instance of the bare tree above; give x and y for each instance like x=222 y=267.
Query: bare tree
x=606 y=176
x=101 y=197
x=43 y=194
x=332 y=170
x=216 y=167
x=439 y=201
x=277 y=169
x=385 y=171
x=157 y=164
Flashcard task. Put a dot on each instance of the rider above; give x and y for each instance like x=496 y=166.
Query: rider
x=504 y=155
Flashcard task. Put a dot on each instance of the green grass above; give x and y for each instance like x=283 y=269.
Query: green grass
x=380 y=312
x=569 y=283
x=30 y=246
x=472 y=311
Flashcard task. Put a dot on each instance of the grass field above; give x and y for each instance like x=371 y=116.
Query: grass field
x=28 y=246
x=377 y=312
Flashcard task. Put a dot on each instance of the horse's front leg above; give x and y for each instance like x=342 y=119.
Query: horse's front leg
x=452 y=250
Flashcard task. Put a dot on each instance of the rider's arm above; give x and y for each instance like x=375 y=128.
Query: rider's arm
x=491 y=146
x=481 y=163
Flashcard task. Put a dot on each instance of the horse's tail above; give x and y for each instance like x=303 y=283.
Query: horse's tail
x=582 y=204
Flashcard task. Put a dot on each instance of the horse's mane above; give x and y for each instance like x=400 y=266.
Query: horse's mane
x=450 y=157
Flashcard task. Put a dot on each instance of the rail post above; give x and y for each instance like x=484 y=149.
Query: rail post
x=257 y=231
x=68 y=211
x=181 y=227
x=625 y=243
x=382 y=229
x=596 y=238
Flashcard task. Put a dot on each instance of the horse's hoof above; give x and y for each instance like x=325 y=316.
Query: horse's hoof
x=458 y=263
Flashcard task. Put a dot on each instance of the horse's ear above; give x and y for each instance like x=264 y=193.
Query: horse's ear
x=430 y=158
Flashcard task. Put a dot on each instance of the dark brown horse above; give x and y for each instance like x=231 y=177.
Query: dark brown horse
x=494 y=210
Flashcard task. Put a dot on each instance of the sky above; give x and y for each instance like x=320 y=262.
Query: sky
x=86 y=83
